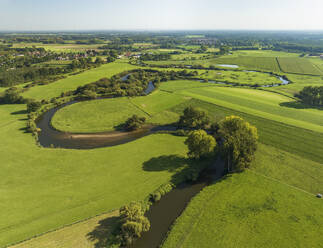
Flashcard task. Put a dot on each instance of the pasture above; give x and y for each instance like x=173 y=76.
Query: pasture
x=275 y=198
x=260 y=103
x=248 y=210
x=45 y=189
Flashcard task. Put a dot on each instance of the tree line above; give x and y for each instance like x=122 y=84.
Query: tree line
x=311 y=95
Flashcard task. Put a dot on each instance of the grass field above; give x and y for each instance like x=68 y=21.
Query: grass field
x=260 y=103
x=44 y=189
x=298 y=66
x=95 y=116
x=86 y=234
x=261 y=108
x=271 y=205
x=241 y=77
x=299 y=141
x=250 y=62
x=72 y=82
x=248 y=210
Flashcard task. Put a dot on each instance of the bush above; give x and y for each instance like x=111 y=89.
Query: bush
x=134 y=122
x=33 y=106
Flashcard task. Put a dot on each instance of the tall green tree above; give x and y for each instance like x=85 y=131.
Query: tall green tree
x=133 y=223
x=200 y=144
x=239 y=142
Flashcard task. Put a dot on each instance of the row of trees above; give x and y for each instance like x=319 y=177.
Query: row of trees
x=134 y=84
x=312 y=95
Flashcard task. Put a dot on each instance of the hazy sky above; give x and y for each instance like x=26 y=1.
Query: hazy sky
x=160 y=15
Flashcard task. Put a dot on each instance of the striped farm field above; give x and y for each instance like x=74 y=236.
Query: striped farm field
x=298 y=66
x=251 y=62
x=260 y=103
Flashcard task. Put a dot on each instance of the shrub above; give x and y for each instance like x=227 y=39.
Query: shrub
x=134 y=122
x=33 y=106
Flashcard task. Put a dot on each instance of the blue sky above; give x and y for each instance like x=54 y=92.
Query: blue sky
x=161 y=15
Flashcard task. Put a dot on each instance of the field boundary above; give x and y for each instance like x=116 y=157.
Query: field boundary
x=136 y=106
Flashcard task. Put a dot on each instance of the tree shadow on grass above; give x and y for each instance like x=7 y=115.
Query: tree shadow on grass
x=20 y=112
x=102 y=233
x=299 y=105
x=183 y=169
x=170 y=163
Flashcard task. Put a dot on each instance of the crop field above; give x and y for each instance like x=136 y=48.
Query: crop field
x=72 y=82
x=48 y=188
x=248 y=210
x=299 y=66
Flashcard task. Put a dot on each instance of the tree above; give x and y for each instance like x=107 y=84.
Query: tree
x=134 y=122
x=194 y=118
x=33 y=106
x=88 y=94
x=239 y=142
x=11 y=96
x=98 y=60
x=200 y=144
x=133 y=223
x=110 y=59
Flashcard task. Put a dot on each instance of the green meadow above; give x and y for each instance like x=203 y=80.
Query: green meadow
x=241 y=77
x=45 y=189
x=260 y=103
x=248 y=210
